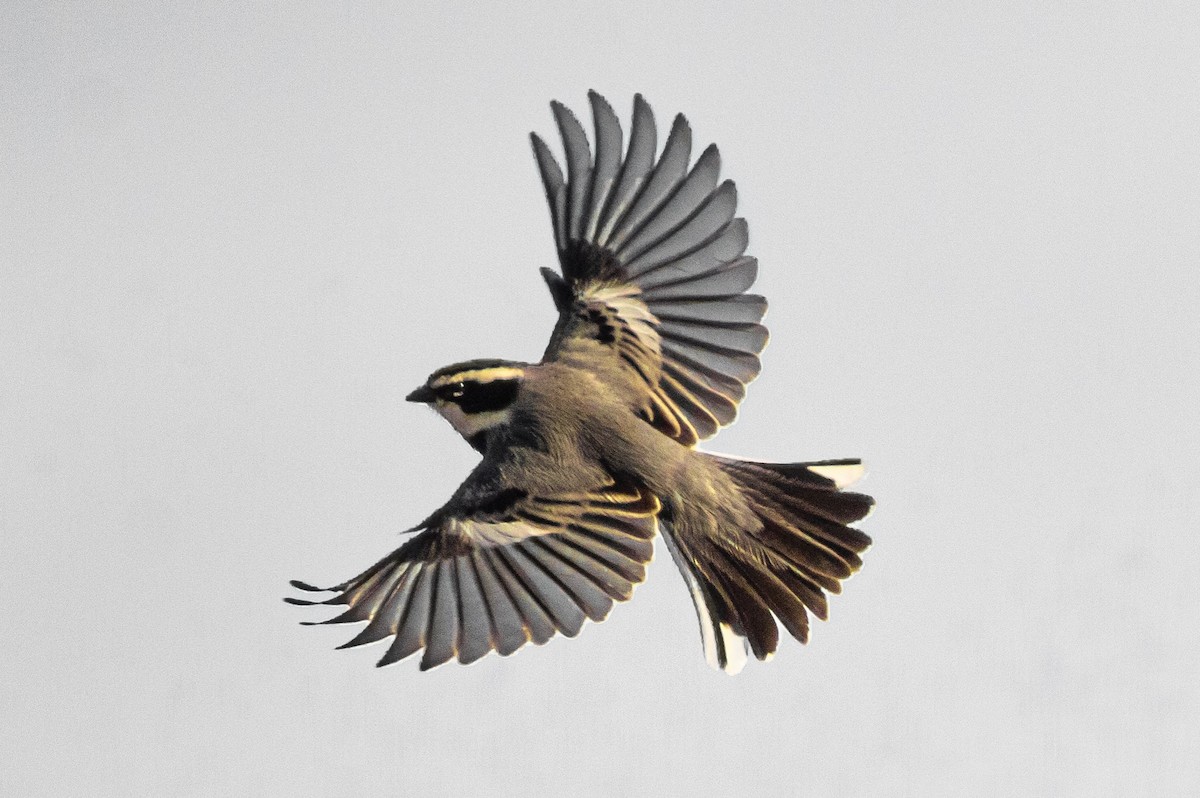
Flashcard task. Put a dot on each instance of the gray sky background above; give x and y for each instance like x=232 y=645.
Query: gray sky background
x=233 y=237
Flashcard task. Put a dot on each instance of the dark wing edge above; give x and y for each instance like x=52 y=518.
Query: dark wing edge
x=664 y=239
x=499 y=577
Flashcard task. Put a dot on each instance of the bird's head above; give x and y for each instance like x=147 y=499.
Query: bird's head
x=475 y=396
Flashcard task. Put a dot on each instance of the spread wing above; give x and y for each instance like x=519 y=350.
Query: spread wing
x=501 y=570
x=653 y=276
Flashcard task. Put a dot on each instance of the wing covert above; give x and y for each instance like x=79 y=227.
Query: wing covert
x=508 y=569
x=652 y=291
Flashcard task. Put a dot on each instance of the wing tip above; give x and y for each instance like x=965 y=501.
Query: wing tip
x=565 y=116
x=600 y=104
x=711 y=152
x=681 y=123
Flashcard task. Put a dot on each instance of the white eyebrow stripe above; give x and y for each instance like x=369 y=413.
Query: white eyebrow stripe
x=478 y=375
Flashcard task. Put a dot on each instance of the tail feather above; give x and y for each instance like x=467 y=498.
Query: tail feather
x=801 y=548
x=793 y=537
x=806 y=591
x=751 y=610
x=723 y=647
x=821 y=501
x=786 y=602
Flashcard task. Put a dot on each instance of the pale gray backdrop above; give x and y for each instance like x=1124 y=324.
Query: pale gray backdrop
x=233 y=237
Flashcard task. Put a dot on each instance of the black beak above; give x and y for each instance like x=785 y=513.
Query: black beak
x=424 y=394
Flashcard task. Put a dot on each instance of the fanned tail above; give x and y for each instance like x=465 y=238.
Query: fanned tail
x=802 y=549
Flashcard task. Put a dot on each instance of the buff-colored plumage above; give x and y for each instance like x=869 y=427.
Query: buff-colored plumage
x=591 y=452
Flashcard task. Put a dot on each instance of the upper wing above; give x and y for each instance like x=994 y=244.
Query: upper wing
x=501 y=570
x=653 y=275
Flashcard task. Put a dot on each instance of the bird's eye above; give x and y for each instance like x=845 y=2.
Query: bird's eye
x=457 y=390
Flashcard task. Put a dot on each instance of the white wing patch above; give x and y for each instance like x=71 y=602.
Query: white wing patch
x=501 y=533
x=626 y=300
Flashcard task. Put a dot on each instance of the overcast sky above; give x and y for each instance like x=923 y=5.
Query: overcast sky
x=233 y=237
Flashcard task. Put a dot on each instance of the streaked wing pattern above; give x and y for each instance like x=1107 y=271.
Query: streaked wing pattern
x=515 y=569
x=653 y=271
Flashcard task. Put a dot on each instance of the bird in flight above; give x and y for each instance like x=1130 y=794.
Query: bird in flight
x=590 y=452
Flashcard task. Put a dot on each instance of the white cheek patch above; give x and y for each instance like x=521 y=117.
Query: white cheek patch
x=469 y=424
